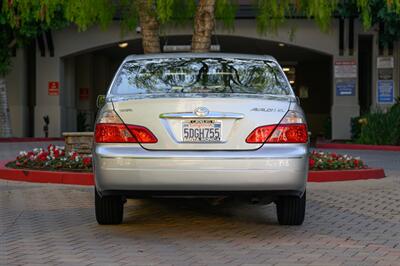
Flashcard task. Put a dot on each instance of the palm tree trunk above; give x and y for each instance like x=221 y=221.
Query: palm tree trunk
x=150 y=27
x=204 y=22
x=5 y=122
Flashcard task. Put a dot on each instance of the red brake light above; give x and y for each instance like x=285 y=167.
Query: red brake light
x=142 y=134
x=284 y=133
x=260 y=134
x=120 y=133
x=113 y=133
x=289 y=133
x=291 y=129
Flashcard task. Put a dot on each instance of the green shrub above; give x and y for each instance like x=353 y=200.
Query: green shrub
x=355 y=127
x=394 y=119
x=381 y=128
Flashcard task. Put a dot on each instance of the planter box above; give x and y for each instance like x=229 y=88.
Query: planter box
x=80 y=142
x=79 y=178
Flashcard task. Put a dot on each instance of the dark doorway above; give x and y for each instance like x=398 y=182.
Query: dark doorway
x=365 y=72
x=31 y=87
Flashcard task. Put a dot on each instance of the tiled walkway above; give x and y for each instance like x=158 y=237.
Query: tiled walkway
x=347 y=223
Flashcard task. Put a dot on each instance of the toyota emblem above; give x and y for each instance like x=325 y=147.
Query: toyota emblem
x=201 y=111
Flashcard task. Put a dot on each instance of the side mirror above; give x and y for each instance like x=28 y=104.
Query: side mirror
x=101 y=100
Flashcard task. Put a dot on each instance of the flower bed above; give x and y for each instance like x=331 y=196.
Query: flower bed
x=332 y=161
x=54 y=165
x=53 y=158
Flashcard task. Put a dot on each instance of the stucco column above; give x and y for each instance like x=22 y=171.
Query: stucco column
x=17 y=96
x=345 y=96
x=48 y=70
x=383 y=74
x=68 y=95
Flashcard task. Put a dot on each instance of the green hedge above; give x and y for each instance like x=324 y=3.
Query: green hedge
x=379 y=127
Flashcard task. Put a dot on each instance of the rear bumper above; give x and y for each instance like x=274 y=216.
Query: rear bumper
x=130 y=168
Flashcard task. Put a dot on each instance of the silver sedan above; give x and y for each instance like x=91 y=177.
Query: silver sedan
x=209 y=125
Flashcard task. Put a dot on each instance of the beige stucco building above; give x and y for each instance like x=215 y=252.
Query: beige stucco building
x=337 y=74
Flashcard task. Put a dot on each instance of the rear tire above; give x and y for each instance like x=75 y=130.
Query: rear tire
x=109 y=209
x=291 y=209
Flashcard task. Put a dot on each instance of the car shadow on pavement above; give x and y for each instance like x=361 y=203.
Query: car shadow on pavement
x=181 y=210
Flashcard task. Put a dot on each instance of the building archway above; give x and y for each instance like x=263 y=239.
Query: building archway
x=89 y=73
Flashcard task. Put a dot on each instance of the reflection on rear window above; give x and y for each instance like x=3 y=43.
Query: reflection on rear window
x=200 y=75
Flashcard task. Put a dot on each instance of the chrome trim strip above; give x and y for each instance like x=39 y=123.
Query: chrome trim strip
x=210 y=115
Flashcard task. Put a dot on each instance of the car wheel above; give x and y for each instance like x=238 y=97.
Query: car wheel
x=109 y=209
x=291 y=210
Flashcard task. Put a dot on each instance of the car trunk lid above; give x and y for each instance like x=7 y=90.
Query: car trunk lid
x=202 y=123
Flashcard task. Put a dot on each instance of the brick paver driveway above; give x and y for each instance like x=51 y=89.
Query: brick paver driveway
x=347 y=223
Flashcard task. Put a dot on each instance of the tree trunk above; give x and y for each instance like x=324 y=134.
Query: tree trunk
x=150 y=27
x=204 y=22
x=5 y=122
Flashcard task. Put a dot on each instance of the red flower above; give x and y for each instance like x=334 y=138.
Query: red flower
x=50 y=147
x=74 y=155
x=87 y=161
x=43 y=156
x=311 y=163
x=356 y=163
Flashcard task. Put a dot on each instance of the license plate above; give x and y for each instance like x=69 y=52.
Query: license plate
x=201 y=131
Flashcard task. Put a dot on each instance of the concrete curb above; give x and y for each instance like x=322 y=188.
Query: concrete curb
x=86 y=179
x=345 y=175
x=39 y=176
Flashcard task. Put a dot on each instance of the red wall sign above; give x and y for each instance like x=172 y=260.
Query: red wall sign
x=54 y=88
x=83 y=93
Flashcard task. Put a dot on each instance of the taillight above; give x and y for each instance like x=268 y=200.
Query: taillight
x=120 y=133
x=292 y=129
x=260 y=134
x=113 y=133
x=142 y=134
x=289 y=133
x=111 y=129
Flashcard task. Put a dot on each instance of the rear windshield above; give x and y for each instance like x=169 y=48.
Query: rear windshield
x=200 y=75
